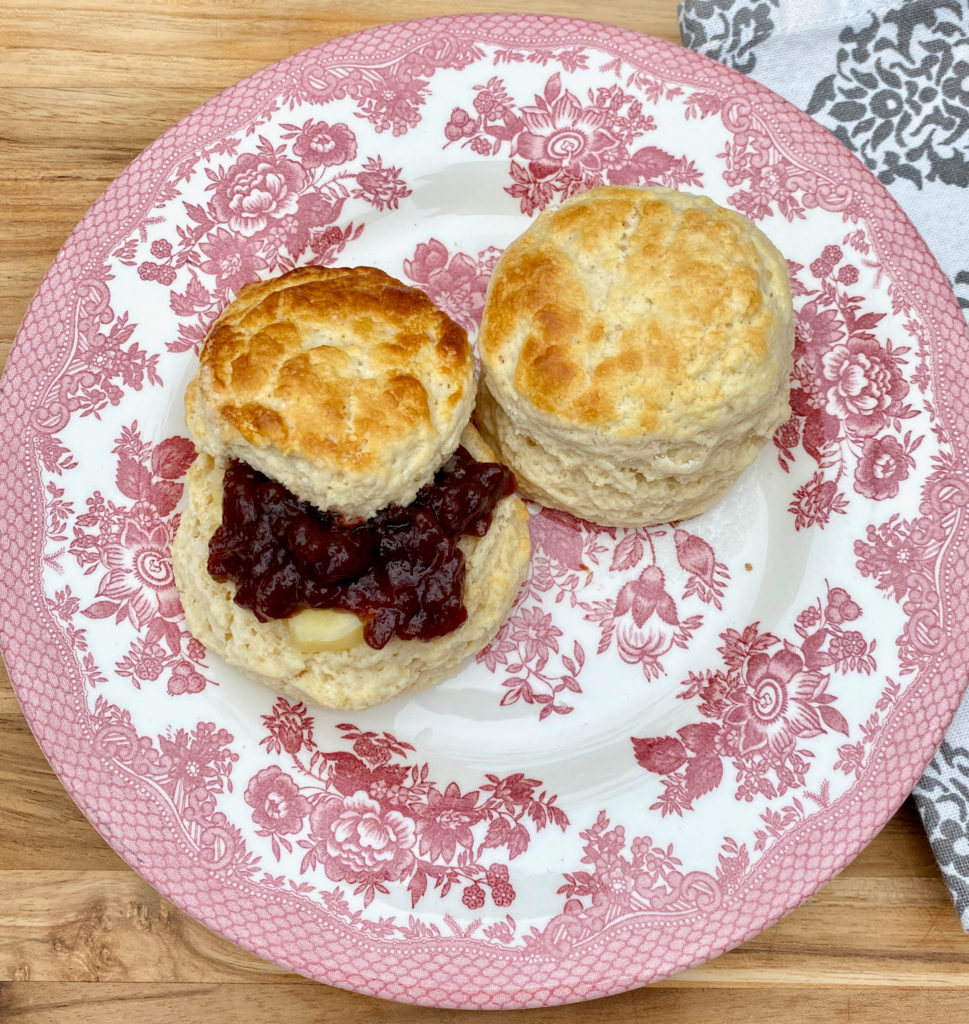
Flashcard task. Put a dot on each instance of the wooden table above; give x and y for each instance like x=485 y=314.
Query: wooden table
x=87 y=84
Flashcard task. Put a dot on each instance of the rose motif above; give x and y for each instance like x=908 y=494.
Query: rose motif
x=445 y=822
x=515 y=789
x=276 y=802
x=456 y=284
x=537 y=632
x=847 y=391
x=557 y=535
x=361 y=842
x=816 y=329
x=646 y=620
x=198 y=759
x=565 y=134
x=865 y=385
x=139 y=574
x=324 y=145
x=148 y=660
x=884 y=464
x=257 y=190
x=776 y=703
x=232 y=259
x=429 y=259
x=849 y=646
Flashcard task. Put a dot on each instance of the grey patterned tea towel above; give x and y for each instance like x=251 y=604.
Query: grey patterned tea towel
x=890 y=78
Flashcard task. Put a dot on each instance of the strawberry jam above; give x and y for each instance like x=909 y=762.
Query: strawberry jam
x=400 y=571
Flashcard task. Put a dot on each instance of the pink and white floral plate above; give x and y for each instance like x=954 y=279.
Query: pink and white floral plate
x=680 y=732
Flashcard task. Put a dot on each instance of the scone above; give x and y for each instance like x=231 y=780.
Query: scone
x=343 y=609
x=636 y=350
x=345 y=385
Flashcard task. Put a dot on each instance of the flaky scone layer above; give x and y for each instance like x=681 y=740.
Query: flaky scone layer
x=360 y=677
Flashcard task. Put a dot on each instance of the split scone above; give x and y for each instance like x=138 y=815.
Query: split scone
x=636 y=350
x=348 y=535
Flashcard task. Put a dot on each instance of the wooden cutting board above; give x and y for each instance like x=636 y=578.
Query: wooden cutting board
x=86 y=85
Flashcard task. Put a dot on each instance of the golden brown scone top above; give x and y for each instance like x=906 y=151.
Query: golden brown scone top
x=337 y=381
x=634 y=310
x=331 y=362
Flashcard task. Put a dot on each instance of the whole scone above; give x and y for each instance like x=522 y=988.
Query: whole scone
x=636 y=350
x=356 y=677
x=347 y=392
x=344 y=384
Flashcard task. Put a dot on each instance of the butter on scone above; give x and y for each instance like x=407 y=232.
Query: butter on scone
x=354 y=676
x=345 y=609
x=636 y=350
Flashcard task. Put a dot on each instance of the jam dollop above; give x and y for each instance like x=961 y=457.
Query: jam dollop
x=400 y=571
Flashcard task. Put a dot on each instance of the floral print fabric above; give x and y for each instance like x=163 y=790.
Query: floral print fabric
x=891 y=81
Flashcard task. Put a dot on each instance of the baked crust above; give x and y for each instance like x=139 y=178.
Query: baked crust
x=636 y=350
x=345 y=385
x=631 y=311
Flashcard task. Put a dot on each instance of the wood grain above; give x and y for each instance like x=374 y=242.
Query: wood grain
x=85 y=85
x=300 y=1004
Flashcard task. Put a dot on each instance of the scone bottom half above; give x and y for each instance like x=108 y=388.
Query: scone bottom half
x=636 y=351
x=343 y=610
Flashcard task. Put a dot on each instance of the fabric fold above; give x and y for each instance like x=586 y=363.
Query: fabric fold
x=890 y=79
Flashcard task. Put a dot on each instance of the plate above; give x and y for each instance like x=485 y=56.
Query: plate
x=681 y=732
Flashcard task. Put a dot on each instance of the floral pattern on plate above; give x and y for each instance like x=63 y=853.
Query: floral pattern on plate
x=680 y=731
